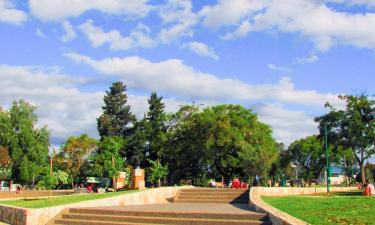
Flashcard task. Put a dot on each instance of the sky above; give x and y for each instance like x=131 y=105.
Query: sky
x=283 y=59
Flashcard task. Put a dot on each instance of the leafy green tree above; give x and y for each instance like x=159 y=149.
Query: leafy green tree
x=29 y=145
x=51 y=182
x=116 y=118
x=107 y=159
x=74 y=153
x=352 y=128
x=309 y=153
x=157 y=172
x=156 y=127
x=221 y=141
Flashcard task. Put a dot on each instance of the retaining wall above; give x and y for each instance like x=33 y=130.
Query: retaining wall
x=279 y=217
x=22 y=216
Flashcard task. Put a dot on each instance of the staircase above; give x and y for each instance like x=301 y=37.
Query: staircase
x=198 y=206
x=88 y=216
x=212 y=195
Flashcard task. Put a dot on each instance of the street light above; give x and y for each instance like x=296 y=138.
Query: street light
x=326 y=149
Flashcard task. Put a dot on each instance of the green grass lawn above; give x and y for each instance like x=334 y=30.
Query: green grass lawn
x=61 y=200
x=340 y=208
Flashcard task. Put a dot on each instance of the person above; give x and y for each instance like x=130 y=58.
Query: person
x=18 y=189
x=236 y=183
x=89 y=188
x=213 y=183
x=366 y=190
x=371 y=187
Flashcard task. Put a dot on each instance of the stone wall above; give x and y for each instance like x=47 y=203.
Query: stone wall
x=22 y=216
x=276 y=216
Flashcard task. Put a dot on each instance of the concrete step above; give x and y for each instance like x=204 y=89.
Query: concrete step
x=171 y=214
x=154 y=220
x=84 y=222
x=210 y=193
x=214 y=190
x=177 y=200
x=225 y=198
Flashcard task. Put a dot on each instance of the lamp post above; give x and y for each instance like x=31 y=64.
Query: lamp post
x=326 y=150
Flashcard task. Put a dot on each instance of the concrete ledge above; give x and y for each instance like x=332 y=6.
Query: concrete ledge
x=40 y=216
x=279 y=217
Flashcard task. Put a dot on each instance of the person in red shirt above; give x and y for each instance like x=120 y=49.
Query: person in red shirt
x=366 y=190
x=89 y=188
x=236 y=183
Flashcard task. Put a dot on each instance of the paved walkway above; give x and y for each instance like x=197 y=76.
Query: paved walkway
x=186 y=207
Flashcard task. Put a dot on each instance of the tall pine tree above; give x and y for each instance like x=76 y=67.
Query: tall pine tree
x=116 y=115
x=156 y=127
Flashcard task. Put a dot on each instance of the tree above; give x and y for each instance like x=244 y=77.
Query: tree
x=156 y=127
x=107 y=159
x=136 y=145
x=309 y=153
x=157 y=171
x=5 y=163
x=352 y=128
x=51 y=182
x=74 y=153
x=221 y=141
x=116 y=118
x=29 y=145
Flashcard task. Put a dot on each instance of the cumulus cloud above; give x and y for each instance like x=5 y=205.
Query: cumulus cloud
x=69 y=33
x=287 y=125
x=323 y=25
x=279 y=68
x=174 y=77
x=241 y=31
x=40 y=33
x=61 y=104
x=8 y=14
x=308 y=59
x=59 y=10
x=201 y=49
x=180 y=18
x=139 y=37
x=230 y=12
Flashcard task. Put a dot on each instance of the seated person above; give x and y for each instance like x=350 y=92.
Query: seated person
x=236 y=183
x=366 y=190
x=213 y=183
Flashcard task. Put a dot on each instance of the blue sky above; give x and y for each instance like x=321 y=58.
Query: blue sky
x=283 y=59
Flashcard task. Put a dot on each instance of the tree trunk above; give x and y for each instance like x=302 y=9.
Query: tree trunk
x=159 y=183
x=363 y=174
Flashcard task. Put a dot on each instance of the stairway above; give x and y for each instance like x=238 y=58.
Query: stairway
x=87 y=216
x=212 y=195
x=197 y=206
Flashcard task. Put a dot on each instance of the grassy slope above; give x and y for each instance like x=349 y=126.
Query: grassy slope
x=334 y=209
x=61 y=200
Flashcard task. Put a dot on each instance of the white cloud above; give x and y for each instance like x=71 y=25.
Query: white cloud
x=61 y=104
x=287 y=125
x=139 y=37
x=324 y=26
x=179 y=14
x=241 y=31
x=70 y=34
x=40 y=33
x=174 y=77
x=279 y=68
x=308 y=59
x=201 y=49
x=230 y=12
x=58 y=10
x=8 y=14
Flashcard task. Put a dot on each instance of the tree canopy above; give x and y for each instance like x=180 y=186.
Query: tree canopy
x=352 y=127
x=116 y=117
